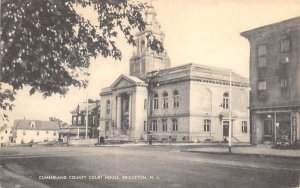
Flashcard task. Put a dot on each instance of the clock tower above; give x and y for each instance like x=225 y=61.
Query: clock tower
x=144 y=59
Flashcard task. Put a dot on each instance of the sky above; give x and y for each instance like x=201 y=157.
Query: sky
x=205 y=32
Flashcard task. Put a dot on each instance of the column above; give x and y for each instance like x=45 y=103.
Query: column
x=118 y=123
x=129 y=113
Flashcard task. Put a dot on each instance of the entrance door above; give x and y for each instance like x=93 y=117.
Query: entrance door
x=226 y=128
x=268 y=130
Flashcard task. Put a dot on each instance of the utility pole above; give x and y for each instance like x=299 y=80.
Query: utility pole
x=230 y=121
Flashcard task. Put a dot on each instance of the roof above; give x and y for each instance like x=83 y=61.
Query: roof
x=282 y=25
x=82 y=107
x=132 y=79
x=201 y=71
x=38 y=125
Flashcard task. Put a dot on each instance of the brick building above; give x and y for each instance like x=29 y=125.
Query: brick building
x=275 y=81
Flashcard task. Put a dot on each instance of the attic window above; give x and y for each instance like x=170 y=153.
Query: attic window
x=32 y=124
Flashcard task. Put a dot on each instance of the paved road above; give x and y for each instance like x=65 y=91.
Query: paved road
x=141 y=167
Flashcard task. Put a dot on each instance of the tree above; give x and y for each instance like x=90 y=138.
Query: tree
x=60 y=122
x=47 y=45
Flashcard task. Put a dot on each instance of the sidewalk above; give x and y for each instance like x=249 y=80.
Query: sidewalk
x=259 y=150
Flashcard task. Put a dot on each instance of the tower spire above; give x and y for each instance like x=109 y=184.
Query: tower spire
x=145 y=60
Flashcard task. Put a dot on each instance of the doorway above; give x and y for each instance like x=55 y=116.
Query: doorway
x=225 y=128
x=268 y=131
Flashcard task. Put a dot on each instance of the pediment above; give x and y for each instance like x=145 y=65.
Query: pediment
x=123 y=81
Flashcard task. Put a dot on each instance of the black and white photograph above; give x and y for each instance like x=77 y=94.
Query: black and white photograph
x=150 y=93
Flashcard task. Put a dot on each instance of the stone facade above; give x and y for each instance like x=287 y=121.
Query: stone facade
x=185 y=103
x=275 y=81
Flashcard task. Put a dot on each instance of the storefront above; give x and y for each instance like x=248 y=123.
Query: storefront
x=268 y=126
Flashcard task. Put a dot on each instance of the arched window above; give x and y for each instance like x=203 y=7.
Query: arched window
x=155 y=101
x=175 y=99
x=225 y=103
x=165 y=100
x=108 y=107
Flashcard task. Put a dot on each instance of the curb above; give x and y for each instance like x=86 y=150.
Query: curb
x=244 y=154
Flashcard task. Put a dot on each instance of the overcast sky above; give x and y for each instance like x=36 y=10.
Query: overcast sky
x=200 y=31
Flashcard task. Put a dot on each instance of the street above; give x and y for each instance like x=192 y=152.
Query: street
x=141 y=166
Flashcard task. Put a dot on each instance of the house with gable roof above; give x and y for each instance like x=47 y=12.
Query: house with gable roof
x=26 y=131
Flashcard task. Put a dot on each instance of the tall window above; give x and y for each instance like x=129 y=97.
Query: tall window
x=143 y=44
x=108 y=107
x=262 y=55
x=165 y=100
x=145 y=125
x=94 y=120
x=225 y=103
x=285 y=50
x=207 y=125
x=155 y=101
x=164 y=125
x=106 y=126
x=79 y=120
x=154 y=125
x=74 y=120
x=261 y=87
x=175 y=99
x=174 y=125
x=145 y=103
x=244 y=127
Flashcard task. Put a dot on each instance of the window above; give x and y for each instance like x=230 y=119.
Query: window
x=54 y=133
x=285 y=51
x=174 y=125
x=108 y=107
x=94 y=120
x=37 y=133
x=165 y=100
x=207 y=124
x=262 y=85
x=106 y=126
x=143 y=45
x=283 y=83
x=47 y=132
x=24 y=132
x=164 y=125
x=285 y=45
x=175 y=99
x=79 y=119
x=1 y=137
x=5 y=131
x=225 y=103
x=261 y=54
x=145 y=103
x=154 y=125
x=74 y=120
x=155 y=101
x=145 y=126
x=32 y=124
x=244 y=127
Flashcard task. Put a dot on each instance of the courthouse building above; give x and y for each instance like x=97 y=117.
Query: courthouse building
x=275 y=81
x=189 y=102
